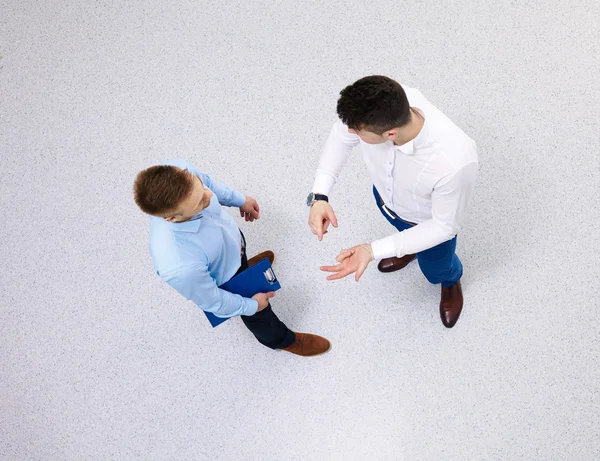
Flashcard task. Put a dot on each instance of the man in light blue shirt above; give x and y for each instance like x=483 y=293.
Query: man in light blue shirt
x=196 y=247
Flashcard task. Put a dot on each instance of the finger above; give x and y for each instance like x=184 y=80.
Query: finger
x=344 y=255
x=336 y=268
x=315 y=224
x=314 y=230
x=331 y=216
x=340 y=275
x=345 y=252
x=318 y=227
x=270 y=294
x=360 y=272
x=254 y=212
x=242 y=213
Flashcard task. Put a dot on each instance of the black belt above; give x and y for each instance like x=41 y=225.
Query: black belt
x=391 y=214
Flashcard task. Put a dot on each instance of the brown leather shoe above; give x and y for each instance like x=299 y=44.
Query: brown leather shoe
x=451 y=305
x=308 y=345
x=259 y=257
x=394 y=264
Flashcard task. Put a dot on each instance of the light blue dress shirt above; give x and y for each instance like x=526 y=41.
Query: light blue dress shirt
x=197 y=256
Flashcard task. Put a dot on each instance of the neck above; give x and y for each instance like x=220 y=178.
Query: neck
x=412 y=130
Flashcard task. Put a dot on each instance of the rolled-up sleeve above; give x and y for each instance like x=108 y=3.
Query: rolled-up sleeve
x=449 y=201
x=197 y=285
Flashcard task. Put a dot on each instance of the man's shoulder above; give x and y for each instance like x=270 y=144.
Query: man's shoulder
x=442 y=135
x=451 y=145
x=413 y=95
x=164 y=246
x=170 y=250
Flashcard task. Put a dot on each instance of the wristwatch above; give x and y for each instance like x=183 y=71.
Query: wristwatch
x=312 y=198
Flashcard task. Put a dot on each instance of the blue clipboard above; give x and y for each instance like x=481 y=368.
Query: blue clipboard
x=259 y=278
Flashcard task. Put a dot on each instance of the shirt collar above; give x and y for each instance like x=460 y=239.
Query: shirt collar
x=192 y=225
x=409 y=147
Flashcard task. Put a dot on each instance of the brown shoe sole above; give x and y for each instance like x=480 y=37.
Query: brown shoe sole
x=314 y=355
x=259 y=257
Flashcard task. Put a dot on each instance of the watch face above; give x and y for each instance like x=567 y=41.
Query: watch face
x=310 y=199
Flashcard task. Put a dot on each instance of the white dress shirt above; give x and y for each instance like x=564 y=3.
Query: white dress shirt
x=427 y=181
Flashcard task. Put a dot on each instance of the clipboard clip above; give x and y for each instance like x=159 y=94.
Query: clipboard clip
x=270 y=275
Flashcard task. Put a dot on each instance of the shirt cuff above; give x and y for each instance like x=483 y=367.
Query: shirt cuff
x=323 y=184
x=250 y=306
x=384 y=248
x=238 y=199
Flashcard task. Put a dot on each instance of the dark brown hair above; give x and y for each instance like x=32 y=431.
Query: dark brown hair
x=158 y=190
x=375 y=103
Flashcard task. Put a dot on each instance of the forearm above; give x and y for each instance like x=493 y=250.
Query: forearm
x=449 y=203
x=414 y=240
x=335 y=154
x=225 y=194
x=229 y=197
x=197 y=285
x=231 y=305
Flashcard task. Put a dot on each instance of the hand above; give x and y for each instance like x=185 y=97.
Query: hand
x=263 y=299
x=250 y=210
x=321 y=215
x=356 y=259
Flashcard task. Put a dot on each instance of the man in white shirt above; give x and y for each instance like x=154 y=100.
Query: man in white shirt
x=423 y=169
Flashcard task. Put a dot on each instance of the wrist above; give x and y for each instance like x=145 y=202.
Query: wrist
x=367 y=246
x=238 y=199
x=314 y=198
x=251 y=307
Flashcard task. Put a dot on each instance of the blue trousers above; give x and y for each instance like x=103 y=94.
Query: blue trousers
x=265 y=325
x=440 y=263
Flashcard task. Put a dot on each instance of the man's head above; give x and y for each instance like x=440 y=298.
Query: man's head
x=375 y=108
x=170 y=192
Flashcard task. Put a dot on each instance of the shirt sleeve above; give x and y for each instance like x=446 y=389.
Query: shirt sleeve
x=226 y=195
x=197 y=285
x=335 y=153
x=449 y=201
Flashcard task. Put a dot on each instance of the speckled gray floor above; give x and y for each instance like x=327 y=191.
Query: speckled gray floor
x=102 y=361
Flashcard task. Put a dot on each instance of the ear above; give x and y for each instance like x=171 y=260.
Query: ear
x=170 y=219
x=391 y=134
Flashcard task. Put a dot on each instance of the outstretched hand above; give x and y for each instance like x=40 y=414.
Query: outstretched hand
x=355 y=259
